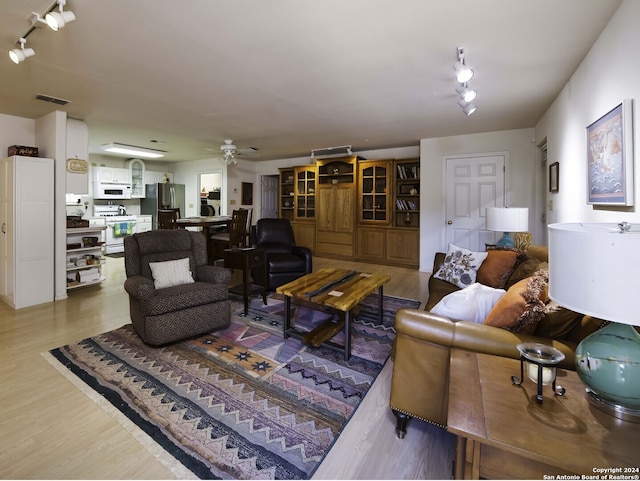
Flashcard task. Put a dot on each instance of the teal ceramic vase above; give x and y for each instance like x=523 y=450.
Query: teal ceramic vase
x=608 y=363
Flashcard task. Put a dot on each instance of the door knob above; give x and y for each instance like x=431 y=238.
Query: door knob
x=449 y=222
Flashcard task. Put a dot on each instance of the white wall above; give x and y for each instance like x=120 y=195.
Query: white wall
x=520 y=189
x=606 y=76
x=16 y=131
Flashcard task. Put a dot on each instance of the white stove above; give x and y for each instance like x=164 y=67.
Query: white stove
x=118 y=226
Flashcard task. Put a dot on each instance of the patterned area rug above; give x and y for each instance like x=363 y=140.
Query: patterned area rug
x=241 y=403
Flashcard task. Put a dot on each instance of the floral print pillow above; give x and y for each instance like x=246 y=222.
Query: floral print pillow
x=460 y=266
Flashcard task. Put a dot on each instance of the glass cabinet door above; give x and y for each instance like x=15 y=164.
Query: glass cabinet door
x=305 y=192
x=374 y=182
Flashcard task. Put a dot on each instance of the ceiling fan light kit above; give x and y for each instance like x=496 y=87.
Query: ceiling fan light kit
x=463 y=75
x=55 y=21
x=229 y=152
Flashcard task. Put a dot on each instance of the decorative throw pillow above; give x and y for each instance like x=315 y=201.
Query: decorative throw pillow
x=557 y=321
x=497 y=267
x=522 y=307
x=460 y=266
x=171 y=273
x=471 y=304
x=523 y=270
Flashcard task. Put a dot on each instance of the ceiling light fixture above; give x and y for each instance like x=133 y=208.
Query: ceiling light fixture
x=18 y=55
x=229 y=152
x=466 y=94
x=463 y=73
x=124 y=149
x=468 y=109
x=57 y=20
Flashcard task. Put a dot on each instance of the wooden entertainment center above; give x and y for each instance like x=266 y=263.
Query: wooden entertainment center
x=355 y=209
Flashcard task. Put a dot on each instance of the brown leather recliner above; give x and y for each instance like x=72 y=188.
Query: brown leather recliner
x=169 y=314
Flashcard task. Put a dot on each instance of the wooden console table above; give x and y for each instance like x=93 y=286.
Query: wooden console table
x=504 y=434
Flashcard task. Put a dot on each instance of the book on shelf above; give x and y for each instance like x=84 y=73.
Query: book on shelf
x=408 y=172
x=402 y=204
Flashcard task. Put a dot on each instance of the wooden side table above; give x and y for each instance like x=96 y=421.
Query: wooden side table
x=504 y=434
x=245 y=260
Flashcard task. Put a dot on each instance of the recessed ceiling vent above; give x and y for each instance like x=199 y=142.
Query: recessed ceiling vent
x=53 y=100
x=330 y=152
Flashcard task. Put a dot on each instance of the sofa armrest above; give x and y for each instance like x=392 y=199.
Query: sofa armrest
x=420 y=382
x=213 y=274
x=474 y=337
x=140 y=287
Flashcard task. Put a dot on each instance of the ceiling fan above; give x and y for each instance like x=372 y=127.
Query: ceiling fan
x=231 y=152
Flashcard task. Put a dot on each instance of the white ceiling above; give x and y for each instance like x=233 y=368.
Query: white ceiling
x=289 y=76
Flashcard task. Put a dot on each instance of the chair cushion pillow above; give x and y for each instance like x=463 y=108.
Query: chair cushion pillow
x=460 y=266
x=472 y=303
x=184 y=296
x=171 y=273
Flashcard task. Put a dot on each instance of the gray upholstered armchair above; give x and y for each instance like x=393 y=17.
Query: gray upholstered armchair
x=170 y=301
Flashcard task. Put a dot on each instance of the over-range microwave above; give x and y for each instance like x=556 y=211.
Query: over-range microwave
x=108 y=190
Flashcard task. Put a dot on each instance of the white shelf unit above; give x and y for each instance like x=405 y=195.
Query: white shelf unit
x=75 y=255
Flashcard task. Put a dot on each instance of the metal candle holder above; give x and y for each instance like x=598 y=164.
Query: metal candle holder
x=541 y=357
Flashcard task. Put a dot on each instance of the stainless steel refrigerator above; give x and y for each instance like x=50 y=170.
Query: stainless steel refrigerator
x=162 y=196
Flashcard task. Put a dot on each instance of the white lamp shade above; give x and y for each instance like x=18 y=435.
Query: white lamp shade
x=508 y=219
x=593 y=269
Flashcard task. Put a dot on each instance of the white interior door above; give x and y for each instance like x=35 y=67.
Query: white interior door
x=473 y=183
x=269 y=197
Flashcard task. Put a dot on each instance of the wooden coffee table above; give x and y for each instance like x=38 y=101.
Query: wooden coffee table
x=338 y=289
x=503 y=433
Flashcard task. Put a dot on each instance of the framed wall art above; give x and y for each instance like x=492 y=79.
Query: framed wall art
x=247 y=193
x=610 y=157
x=554 y=177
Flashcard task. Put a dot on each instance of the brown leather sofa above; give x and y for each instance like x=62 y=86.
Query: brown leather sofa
x=420 y=382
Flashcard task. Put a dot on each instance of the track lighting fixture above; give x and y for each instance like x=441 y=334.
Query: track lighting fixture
x=57 y=20
x=466 y=94
x=468 y=109
x=18 y=55
x=463 y=73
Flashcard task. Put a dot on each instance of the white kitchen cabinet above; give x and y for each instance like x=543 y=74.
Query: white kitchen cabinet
x=26 y=231
x=143 y=223
x=113 y=175
x=84 y=260
x=137 y=176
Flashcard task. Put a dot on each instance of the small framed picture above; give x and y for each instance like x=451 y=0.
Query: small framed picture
x=554 y=177
x=247 y=193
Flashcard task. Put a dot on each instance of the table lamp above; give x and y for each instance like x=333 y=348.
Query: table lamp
x=592 y=270
x=507 y=219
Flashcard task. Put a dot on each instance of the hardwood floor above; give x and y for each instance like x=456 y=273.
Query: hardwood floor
x=49 y=429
